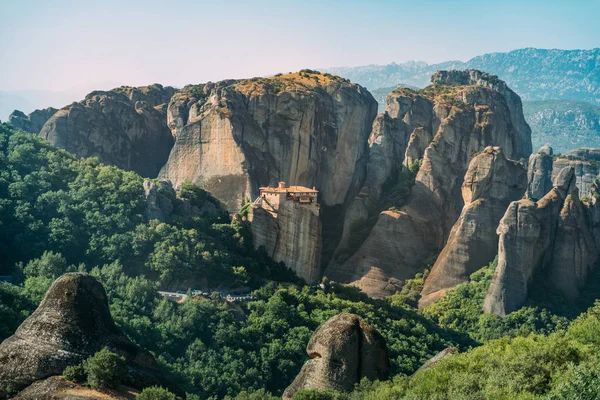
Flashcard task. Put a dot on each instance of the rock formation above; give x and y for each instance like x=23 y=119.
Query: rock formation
x=125 y=127
x=306 y=128
x=551 y=238
x=164 y=204
x=343 y=350
x=289 y=230
x=539 y=173
x=72 y=323
x=586 y=166
x=447 y=124
x=489 y=186
x=513 y=101
x=58 y=388
x=33 y=122
x=442 y=355
x=387 y=144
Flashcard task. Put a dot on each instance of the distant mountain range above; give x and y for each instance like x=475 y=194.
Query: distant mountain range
x=535 y=74
x=560 y=89
x=562 y=123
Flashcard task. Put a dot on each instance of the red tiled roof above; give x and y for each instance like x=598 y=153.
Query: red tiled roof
x=290 y=189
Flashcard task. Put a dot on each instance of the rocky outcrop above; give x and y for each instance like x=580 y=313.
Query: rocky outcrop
x=163 y=203
x=159 y=200
x=539 y=173
x=343 y=350
x=58 y=388
x=550 y=238
x=442 y=355
x=585 y=164
x=292 y=234
x=72 y=323
x=513 y=101
x=306 y=128
x=387 y=144
x=489 y=186
x=125 y=127
x=33 y=122
x=462 y=120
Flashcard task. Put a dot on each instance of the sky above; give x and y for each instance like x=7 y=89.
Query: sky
x=63 y=45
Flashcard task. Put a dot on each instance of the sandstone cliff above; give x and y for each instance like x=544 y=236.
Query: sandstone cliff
x=125 y=127
x=539 y=173
x=585 y=164
x=70 y=324
x=291 y=234
x=551 y=238
x=489 y=186
x=166 y=205
x=462 y=113
x=33 y=122
x=343 y=350
x=306 y=128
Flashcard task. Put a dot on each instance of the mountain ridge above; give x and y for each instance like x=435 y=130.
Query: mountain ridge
x=551 y=73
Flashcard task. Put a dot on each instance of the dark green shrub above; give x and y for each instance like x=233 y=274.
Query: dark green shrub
x=105 y=369
x=75 y=373
x=312 y=394
x=156 y=393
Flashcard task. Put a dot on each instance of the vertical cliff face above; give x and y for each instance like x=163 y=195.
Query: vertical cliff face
x=306 y=128
x=71 y=324
x=387 y=144
x=513 y=101
x=585 y=164
x=490 y=184
x=539 y=173
x=464 y=114
x=343 y=351
x=33 y=122
x=291 y=234
x=550 y=238
x=125 y=127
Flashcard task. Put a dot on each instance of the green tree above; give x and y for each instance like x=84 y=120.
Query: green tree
x=105 y=369
x=312 y=394
x=155 y=393
x=75 y=373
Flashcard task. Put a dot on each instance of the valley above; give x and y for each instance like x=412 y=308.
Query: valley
x=400 y=246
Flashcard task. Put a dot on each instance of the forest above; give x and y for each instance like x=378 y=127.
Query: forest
x=60 y=213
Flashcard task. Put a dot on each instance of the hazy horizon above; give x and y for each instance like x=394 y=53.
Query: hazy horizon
x=68 y=45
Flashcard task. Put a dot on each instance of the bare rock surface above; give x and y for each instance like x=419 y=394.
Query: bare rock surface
x=343 y=350
x=292 y=235
x=539 y=173
x=552 y=237
x=586 y=167
x=464 y=113
x=490 y=184
x=33 y=122
x=307 y=129
x=442 y=355
x=58 y=388
x=72 y=323
x=125 y=127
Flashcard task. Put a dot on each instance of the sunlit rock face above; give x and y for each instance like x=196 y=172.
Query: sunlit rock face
x=125 y=127
x=550 y=238
x=72 y=323
x=490 y=184
x=233 y=137
x=444 y=126
x=343 y=350
x=539 y=173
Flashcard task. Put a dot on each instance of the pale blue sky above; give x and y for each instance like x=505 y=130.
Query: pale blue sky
x=60 y=45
